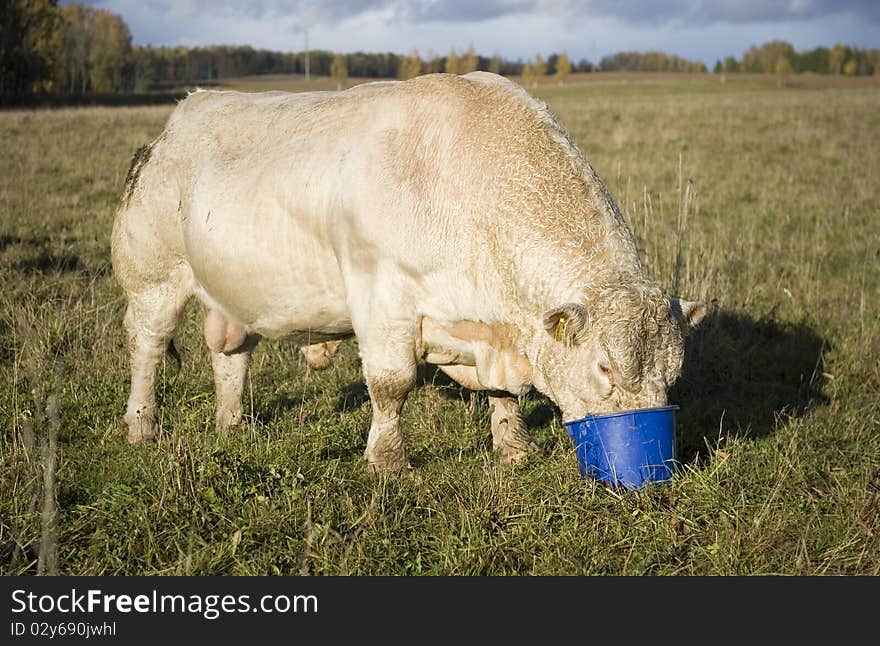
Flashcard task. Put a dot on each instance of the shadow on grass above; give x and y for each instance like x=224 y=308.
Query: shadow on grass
x=352 y=397
x=46 y=261
x=33 y=255
x=355 y=395
x=7 y=240
x=741 y=376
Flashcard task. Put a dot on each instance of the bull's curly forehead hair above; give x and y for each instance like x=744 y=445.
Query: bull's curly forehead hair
x=637 y=330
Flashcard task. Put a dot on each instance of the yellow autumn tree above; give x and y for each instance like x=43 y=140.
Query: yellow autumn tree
x=451 y=66
x=432 y=62
x=782 y=69
x=836 y=58
x=339 y=71
x=540 y=70
x=469 y=61
x=109 y=52
x=495 y=64
x=528 y=75
x=411 y=66
x=563 y=68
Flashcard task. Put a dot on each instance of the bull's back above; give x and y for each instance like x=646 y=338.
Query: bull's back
x=298 y=196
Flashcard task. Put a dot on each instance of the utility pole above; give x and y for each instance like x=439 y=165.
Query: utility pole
x=307 y=54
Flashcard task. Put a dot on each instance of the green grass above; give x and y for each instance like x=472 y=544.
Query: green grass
x=780 y=420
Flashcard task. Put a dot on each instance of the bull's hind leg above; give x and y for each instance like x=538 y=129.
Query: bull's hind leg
x=509 y=435
x=150 y=320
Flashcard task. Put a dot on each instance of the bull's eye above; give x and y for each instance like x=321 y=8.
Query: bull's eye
x=606 y=371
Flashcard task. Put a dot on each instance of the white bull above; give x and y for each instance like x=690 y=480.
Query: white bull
x=444 y=219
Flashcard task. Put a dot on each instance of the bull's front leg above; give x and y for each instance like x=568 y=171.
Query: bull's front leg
x=509 y=435
x=389 y=365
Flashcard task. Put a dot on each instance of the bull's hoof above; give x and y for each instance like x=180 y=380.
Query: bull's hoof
x=143 y=431
x=226 y=419
x=387 y=464
x=515 y=453
x=143 y=427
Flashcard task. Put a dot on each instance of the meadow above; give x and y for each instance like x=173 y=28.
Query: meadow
x=762 y=200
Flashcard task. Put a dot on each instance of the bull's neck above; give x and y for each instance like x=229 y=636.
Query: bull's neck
x=555 y=237
x=573 y=263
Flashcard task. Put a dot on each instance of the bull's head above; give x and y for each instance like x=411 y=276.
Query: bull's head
x=619 y=352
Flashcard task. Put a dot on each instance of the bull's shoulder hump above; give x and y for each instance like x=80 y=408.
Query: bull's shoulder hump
x=197 y=101
x=488 y=78
x=486 y=93
x=441 y=86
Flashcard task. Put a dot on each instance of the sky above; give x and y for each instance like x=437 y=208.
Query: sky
x=701 y=30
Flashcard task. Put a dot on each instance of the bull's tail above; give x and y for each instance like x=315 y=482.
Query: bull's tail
x=140 y=158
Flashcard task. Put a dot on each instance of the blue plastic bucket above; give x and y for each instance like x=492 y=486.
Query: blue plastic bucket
x=628 y=449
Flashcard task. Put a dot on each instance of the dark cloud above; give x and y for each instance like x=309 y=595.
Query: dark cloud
x=636 y=11
x=641 y=11
x=307 y=11
x=727 y=11
x=688 y=12
x=743 y=11
x=461 y=10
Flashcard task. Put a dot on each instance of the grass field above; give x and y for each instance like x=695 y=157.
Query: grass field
x=779 y=428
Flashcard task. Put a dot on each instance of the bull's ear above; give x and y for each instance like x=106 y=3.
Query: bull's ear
x=567 y=323
x=687 y=313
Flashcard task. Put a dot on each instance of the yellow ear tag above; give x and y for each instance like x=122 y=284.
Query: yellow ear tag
x=560 y=329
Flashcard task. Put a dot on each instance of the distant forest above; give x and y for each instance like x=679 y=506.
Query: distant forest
x=77 y=49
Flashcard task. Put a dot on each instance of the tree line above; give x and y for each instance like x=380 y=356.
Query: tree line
x=779 y=57
x=648 y=62
x=78 y=49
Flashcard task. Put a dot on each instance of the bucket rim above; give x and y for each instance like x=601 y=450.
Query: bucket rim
x=620 y=413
